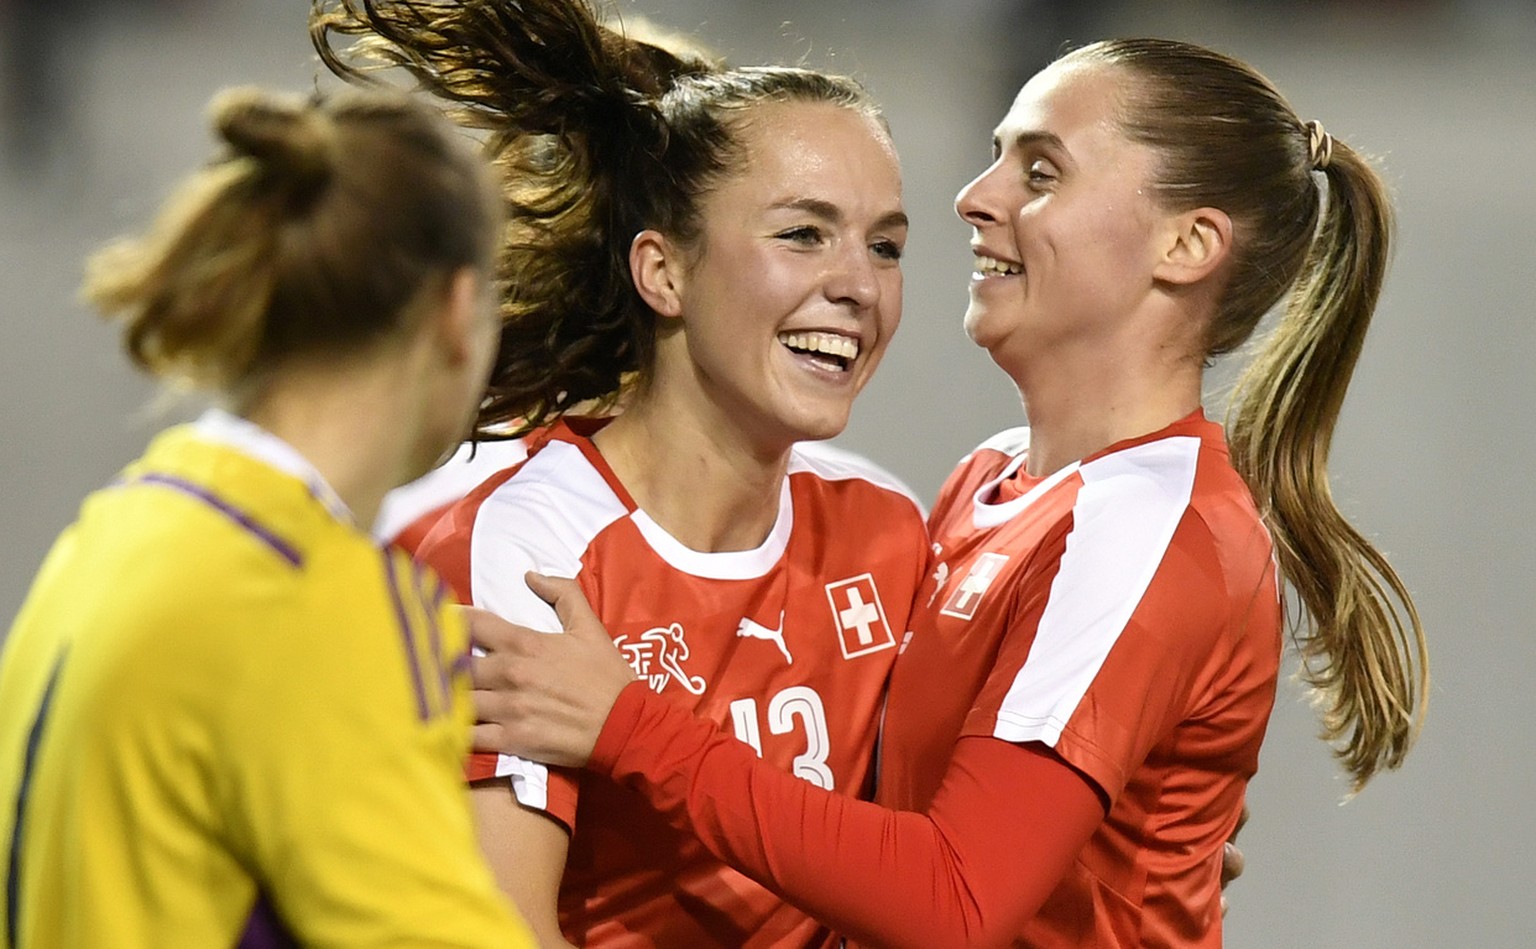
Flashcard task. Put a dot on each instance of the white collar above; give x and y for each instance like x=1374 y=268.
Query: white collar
x=243 y=435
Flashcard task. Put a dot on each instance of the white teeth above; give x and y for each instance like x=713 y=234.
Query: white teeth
x=993 y=265
x=832 y=344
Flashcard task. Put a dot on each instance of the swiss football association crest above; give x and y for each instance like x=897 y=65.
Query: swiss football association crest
x=657 y=656
x=860 y=616
x=968 y=593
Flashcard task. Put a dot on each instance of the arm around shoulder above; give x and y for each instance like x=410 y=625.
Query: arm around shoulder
x=1004 y=827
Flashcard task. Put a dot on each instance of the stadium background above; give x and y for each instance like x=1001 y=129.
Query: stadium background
x=103 y=109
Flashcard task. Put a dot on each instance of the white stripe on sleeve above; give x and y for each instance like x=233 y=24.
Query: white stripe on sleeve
x=541 y=519
x=1124 y=518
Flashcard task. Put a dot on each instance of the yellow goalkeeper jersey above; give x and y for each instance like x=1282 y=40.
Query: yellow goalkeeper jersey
x=228 y=717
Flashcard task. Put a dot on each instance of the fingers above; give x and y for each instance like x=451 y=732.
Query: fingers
x=486 y=736
x=498 y=738
x=1232 y=863
x=486 y=674
x=571 y=606
x=1231 y=869
x=487 y=630
x=498 y=725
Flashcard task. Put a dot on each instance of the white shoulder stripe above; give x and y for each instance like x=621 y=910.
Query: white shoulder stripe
x=1009 y=441
x=832 y=463
x=454 y=478
x=1124 y=518
x=542 y=518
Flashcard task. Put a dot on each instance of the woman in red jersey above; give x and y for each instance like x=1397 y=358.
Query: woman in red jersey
x=1068 y=738
x=720 y=250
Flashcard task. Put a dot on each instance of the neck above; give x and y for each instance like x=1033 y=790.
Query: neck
x=695 y=477
x=1081 y=403
x=353 y=423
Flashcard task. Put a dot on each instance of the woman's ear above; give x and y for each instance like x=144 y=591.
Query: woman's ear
x=460 y=315
x=658 y=267
x=1199 y=242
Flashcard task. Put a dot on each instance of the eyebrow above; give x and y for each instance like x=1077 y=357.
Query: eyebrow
x=1028 y=138
x=828 y=211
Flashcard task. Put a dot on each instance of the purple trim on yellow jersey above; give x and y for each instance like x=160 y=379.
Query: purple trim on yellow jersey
x=264 y=929
x=13 y=870
x=434 y=635
x=407 y=635
x=281 y=547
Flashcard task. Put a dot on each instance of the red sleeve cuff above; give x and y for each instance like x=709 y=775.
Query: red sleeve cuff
x=480 y=766
x=619 y=726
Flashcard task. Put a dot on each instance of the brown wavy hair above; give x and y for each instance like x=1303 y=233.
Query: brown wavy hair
x=1317 y=236
x=598 y=134
x=315 y=230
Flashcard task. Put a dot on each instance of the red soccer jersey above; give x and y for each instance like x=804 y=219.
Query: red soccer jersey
x=1125 y=612
x=410 y=511
x=788 y=644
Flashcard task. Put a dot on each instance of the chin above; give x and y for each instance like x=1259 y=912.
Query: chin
x=818 y=427
x=976 y=327
x=821 y=434
x=992 y=327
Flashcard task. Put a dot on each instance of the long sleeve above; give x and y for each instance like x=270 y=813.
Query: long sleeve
x=1002 y=830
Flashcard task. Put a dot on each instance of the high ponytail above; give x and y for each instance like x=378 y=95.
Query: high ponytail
x=598 y=135
x=1226 y=138
x=315 y=229
x=575 y=131
x=193 y=295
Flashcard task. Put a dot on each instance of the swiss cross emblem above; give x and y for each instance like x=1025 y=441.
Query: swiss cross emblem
x=860 y=616
x=657 y=656
x=968 y=593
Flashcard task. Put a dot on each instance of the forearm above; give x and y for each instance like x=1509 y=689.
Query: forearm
x=1002 y=830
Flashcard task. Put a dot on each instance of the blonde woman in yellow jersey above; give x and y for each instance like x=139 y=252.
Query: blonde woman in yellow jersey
x=226 y=715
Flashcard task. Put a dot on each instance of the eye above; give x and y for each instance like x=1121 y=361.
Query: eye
x=807 y=234
x=1040 y=173
x=887 y=250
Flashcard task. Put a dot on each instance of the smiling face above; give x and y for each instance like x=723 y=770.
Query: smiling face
x=791 y=293
x=1065 y=228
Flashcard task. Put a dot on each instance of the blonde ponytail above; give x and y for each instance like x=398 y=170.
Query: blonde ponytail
x=1362 y=645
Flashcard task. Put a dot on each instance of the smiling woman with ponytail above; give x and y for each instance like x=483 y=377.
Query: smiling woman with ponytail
x=715 y=251
x=596 y=133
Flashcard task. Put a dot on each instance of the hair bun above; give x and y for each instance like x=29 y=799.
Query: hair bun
x=290 y=138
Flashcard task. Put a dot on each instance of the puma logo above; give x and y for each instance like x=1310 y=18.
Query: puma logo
x=754 y=630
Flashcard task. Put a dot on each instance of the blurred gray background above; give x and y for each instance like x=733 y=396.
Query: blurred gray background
x=103 y=109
